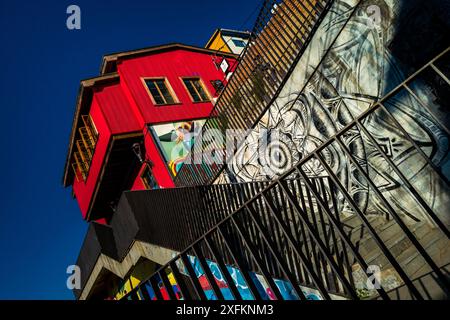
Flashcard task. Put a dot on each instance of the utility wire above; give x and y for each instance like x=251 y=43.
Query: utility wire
x=243 y=24
x=256 y=9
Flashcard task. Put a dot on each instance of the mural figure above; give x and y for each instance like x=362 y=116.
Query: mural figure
x=175 y=141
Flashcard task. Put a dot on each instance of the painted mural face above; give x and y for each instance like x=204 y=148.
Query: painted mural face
x=358 y=70
x=175 y=141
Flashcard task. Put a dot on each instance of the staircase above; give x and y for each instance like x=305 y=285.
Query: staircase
x=287 y=239
x=434 y=242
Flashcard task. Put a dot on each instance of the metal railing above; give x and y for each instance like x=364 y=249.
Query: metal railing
x=282 y=31
x=293 y=229
x=147 y=216
x=174 y=218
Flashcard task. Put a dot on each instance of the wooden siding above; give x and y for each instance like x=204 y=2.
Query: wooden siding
x=172 y=65
x=117 y=110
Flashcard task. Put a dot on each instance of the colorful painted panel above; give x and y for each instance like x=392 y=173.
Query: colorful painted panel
x=175 y=141
x=142 y=271
x=162 y=289
x=284 y=287
x=127 y=286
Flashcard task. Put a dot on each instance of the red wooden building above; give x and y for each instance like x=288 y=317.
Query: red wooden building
x=132 y=124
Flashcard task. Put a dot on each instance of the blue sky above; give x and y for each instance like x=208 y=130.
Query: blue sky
x=42 y=63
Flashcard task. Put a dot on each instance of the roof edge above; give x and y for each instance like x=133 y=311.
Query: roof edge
x=109 y=59
x=230 y=31
x=82 y=96
x=211 y=39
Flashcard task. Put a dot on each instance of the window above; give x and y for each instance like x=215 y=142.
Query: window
x=196 y=89
x=160 y=91
x=239 y=43
x=218 y=86
x=85 y=147
x=148 y=179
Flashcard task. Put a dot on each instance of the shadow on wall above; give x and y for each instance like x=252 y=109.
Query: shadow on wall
x=421 y=31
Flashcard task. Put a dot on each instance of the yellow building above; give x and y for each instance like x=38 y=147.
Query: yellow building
x=230 y=41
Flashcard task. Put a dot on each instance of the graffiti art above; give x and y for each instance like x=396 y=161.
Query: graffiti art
x=324 y=94
x=175 y=141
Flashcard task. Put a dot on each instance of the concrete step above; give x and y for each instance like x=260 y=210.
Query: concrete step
x=413 y=264
x=436 y=244
x=395 y=240
x=426 y=284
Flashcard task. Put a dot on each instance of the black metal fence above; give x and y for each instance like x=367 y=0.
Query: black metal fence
x=294 y=228
x=281 y=32
x=291 y=230
x=174 y=218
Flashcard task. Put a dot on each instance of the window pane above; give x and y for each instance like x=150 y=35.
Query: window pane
x=200 y=90
x=154 y=91
x=149 y=180
x=192 y=91
x=238 y=43
x=165 y=92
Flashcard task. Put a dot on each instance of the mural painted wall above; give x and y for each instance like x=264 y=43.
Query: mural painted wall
x=140 y=272
x=362 y=52
x=175 y=141
x=162 y=289
x=284 y=287
x=266 y=293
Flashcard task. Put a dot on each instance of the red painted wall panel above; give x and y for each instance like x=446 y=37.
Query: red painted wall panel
x=138 y=184
x=160 y=172
x=117 y=110
x=136 y=111
x=84 y=190
x=172 y=65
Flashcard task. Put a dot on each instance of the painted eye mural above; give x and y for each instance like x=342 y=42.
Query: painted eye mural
x=175 y=141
